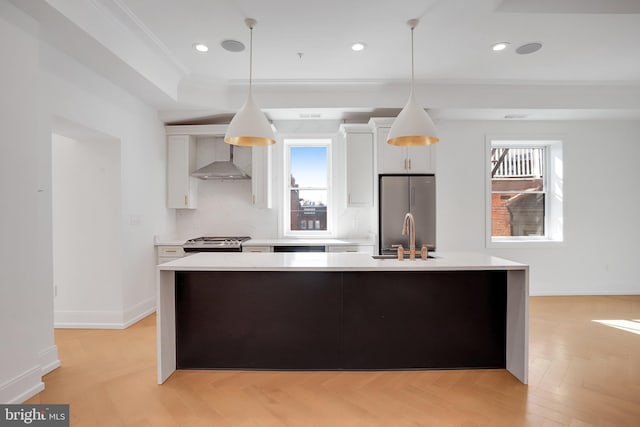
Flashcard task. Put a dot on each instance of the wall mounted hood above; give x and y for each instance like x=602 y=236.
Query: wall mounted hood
x=221 y=170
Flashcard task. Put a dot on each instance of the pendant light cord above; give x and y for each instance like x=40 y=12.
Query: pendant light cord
x=250 y=57
x=412 y=57
x=412 y=73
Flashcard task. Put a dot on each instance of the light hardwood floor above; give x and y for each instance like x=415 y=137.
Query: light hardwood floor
x=582 y=373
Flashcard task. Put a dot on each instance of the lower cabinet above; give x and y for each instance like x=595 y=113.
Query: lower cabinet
x=257 y=249
x=341 y=320
x=351 y=248
x=168 y=253
x=258 y=320
x=411 y=320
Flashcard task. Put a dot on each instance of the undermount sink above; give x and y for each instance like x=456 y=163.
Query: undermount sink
x=406 y=256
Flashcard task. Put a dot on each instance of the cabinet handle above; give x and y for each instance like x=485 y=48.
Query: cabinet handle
x=185 y=201
x=349 y=198
x=409 y=164
x=171 y=250
x=405 y=164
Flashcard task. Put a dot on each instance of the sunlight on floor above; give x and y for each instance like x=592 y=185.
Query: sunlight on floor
x=632 y=326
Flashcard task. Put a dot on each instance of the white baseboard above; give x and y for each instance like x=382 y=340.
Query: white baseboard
x=76 y=319
x=22 y=387
x=583 y=293
x=111 y=319
x=48 y=359
x=139 y=311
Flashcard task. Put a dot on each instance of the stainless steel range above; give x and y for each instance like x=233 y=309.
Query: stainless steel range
x=215 y=244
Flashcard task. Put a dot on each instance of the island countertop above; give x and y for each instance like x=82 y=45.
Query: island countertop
x=322 y=261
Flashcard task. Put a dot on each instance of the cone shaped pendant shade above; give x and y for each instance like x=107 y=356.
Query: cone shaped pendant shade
x=250 y=127
x=413 y=126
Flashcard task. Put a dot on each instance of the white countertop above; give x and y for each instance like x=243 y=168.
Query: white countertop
x=179 y=241
x=307 y=242
x=321 y=261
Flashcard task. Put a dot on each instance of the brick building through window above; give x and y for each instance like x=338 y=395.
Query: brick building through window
x=306 y=214
x=517 y=191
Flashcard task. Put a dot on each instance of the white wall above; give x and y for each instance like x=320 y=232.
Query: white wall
x=224 y=209
x=601 y=202
x=74 y=94
x=87 y=235
x=40 y=85
x=26 y=309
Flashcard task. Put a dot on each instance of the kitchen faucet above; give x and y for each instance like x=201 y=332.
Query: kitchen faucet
x=409 y=228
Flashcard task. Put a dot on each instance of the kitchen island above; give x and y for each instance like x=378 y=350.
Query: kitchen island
x=342 y=311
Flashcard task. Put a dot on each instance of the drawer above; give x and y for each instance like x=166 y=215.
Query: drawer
x=257 y=249
x=351 y=248
x=170 y=251
x=163 y=259
x=341 y=248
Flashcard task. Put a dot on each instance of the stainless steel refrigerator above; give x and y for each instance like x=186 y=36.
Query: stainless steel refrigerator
x=399 y=194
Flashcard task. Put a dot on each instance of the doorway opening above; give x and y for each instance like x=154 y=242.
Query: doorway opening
x=86 y=211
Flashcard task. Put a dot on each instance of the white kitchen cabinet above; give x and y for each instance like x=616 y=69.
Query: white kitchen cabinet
x=359 y=165
x=198 y=145
x=394 y=159
x=168 y=253
x=261 y=177
x=182 y=188
x=257 y=248
x=350 y=248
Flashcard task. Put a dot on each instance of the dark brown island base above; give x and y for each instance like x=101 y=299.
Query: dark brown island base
x=341 y=311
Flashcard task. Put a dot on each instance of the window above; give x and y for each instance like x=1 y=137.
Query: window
x=525 y=191
x=308 y=194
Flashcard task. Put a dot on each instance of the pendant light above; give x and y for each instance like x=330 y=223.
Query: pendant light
x=413 y=126
x=250 y=127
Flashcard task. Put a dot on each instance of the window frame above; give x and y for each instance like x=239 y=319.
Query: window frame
x=552 y=186
x=306 y=141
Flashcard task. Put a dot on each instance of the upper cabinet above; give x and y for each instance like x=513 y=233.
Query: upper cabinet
x=182 y=188
x=261 y=177
x=190 y=147
x=393 y=159
x=360 y=164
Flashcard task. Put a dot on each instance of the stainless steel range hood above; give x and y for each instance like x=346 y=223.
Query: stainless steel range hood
x=221 y=170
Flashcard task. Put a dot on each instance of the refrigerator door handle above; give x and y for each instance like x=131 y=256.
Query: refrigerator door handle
x=412 y=198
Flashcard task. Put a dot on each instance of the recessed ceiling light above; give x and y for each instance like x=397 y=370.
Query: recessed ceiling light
x=499 y=46
x=357 y=47
x=201 y=47
x=528 y=48
x=232 y=45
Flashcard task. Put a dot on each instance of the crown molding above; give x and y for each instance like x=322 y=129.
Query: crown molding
x=120 y=14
